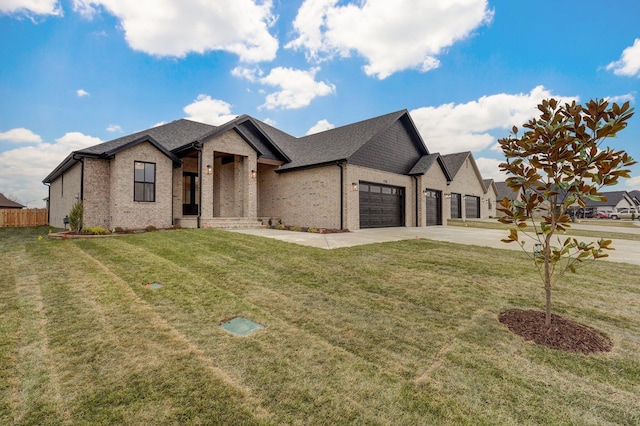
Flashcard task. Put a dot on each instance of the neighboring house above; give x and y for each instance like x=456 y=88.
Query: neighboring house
x=6 y=203
x=491 y=196
x=614 y=200
x=635 y=196
x=466 y=191
x=374 y=173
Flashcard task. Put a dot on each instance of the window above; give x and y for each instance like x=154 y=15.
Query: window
x=144 y=182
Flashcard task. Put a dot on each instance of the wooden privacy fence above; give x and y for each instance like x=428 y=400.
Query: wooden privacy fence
x=12 y=218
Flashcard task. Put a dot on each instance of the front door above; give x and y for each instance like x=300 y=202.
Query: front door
x=190 y=193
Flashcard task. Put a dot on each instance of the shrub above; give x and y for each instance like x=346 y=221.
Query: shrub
x=96 y=230
x=75 y=216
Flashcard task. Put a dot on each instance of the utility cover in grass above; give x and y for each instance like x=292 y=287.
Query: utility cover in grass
x=241 y=326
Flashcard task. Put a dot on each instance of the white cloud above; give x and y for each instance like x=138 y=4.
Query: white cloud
x=465 y=127
x=211 y=111
x=630 y=97
x=391 y=35
x=82 y=93
x=35 y=7
x=22 y=169
x=20 y=135
x=633 y=183
x=114 y=128
x=251 y=74
x=489 y=169
x=73 y=141
x=320 y=126
x=297 y=88
x=629 y=63
x=176 y=27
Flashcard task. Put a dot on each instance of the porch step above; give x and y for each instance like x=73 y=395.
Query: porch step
x=231 y=223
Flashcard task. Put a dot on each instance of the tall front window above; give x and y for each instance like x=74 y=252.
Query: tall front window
x=144 y=182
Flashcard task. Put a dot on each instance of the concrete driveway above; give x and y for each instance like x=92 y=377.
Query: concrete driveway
x=625 y=250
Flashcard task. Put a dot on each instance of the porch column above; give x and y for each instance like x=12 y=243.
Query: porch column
x=206 y=181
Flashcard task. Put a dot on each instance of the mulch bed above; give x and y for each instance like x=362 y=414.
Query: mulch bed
x=564 y=335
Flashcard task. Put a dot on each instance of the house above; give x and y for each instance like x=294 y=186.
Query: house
x=491 y=196
x=466 y=190
x=374 y=173
x=635 y=196
x=614 y=200
x=6 y=203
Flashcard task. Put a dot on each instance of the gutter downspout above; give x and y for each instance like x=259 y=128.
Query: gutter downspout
x=48 y=203
x=341 y=196
x=417 y=201
x=81 y=160
x=199 y=149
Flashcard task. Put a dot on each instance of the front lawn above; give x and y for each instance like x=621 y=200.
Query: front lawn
x=395 y=333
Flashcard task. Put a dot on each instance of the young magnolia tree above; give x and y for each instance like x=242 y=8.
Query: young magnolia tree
x=559 y=162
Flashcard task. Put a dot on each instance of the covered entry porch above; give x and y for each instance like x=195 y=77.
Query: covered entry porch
x=216 y=189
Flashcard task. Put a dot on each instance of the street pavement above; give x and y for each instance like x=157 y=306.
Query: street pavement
x=625 y=250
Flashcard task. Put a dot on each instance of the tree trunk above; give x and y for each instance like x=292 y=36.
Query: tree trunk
x=547 y=280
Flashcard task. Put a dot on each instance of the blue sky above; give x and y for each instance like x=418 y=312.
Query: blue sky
x=74 y=73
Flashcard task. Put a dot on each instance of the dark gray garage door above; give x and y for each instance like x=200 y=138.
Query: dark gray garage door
x=433 y=207
x=471 y=207
x=381 y=205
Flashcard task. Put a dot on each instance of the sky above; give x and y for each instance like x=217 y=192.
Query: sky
x=74 y=73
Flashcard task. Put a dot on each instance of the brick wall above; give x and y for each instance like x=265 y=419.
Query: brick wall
x=308 y=197
x=434 y=179
x=229 y=191
x=64 y=191
x=466 y=182
x=126 y=213
x=96 y=193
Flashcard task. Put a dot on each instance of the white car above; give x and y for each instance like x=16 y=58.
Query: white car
x=625 y=213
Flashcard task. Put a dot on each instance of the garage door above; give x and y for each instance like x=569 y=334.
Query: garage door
x=433 y=207
x=381 y=205
x=472 y=207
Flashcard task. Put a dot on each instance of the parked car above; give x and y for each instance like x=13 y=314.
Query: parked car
x=604 y=214
x=625 y=213
x=586 y=213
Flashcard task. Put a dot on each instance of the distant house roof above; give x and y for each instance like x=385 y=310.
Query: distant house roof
x=6 y=203
x=505 y=191
x=635 y=196
x=613 y=198
x=489 y=183
x=455 y=161
x=426 y=162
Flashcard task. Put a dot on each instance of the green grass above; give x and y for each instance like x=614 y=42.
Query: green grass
x=395 y=333
x=494 y=224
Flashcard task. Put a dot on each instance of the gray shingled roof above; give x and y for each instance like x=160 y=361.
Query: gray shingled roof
x=455 y=161
x=171 y=136
x=321 y=148
x=426 y=162
x=331 y=145
x=505 y=191
x=613 y=198
x=488 y=183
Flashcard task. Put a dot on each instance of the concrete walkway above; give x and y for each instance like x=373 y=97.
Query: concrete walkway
x=625 y=250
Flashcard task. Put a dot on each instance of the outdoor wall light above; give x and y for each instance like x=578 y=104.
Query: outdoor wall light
x=447 y=195
x=354 y=186
x=209 y=169
x=254 y=174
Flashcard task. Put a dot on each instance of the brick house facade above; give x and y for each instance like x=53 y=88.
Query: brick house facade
x=373 y=173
